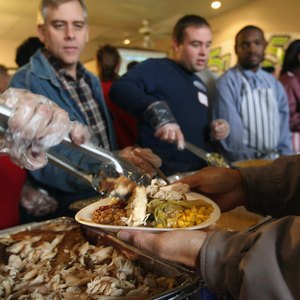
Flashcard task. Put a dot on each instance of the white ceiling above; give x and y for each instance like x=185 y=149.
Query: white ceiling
x=110 y=21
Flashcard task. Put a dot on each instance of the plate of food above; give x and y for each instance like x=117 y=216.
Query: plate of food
x=155 y=208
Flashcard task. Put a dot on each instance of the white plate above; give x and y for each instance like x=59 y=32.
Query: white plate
x=84 y=216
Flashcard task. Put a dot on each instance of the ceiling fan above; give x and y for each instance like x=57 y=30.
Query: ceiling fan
x=145 y=30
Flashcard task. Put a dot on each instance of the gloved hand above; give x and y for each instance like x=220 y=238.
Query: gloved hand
x=160 y=117
x=143 y=158
x=220 y=129
x=171 y=133
x=35 y=125
x=37 y=202
x=80 y=134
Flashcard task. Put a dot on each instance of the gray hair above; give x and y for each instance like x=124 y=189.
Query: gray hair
x=44 y=4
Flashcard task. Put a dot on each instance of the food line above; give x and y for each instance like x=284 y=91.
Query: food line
x=136 y=217
x=92 y=285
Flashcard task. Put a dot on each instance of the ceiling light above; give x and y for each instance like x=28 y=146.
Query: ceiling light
x=126 y=42
x=215 y=4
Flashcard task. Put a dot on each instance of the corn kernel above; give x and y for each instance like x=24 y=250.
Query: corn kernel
x=192 y=216
x=180 y=223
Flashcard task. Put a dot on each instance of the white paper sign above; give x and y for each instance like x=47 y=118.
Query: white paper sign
x=203 y=99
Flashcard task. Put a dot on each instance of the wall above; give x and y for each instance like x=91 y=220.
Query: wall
x=127 y=55
x=274 y=17
x=271 y=15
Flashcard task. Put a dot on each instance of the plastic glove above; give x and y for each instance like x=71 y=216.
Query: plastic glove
x=35 y=125
x=220 y=129
x=143 y=158
x=171 y=133
x=37 y=202
x=80 y=134
x=160 y=117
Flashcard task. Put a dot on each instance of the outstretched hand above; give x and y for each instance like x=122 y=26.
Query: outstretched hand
x=225 y=186
x=180 y=246
x=143 y=158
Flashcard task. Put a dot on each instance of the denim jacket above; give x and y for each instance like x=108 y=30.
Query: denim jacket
x=38 y=76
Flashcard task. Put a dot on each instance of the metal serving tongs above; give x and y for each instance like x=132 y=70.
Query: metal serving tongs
x=120 y=166
x=213 y=159
x=91 y=179
x=111 y=161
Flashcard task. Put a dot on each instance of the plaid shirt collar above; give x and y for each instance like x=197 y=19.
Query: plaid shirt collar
x=80 y=91
x=56 y=64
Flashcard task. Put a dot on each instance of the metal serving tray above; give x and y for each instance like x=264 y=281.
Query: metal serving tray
x=188 y=281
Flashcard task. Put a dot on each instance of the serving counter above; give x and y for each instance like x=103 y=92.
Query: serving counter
x=237 y=219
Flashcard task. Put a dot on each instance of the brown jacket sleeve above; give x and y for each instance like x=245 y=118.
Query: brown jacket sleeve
x=260 y=265
x=274 y=189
